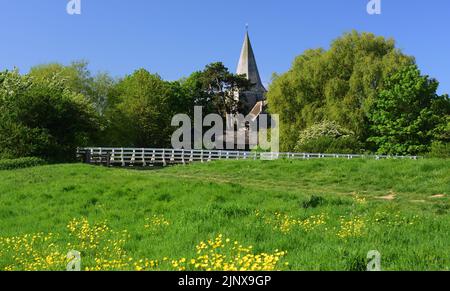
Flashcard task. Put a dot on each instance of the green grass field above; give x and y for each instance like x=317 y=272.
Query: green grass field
x=261 y=215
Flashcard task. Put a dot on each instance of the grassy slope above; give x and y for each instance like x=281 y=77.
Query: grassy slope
x=203 y=200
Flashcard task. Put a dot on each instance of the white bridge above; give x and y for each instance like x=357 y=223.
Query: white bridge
x=148 y=157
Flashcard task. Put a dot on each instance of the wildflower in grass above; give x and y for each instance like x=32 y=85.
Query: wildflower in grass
x=285 y=223
x=359 y=199
x=88 y=235
x=32 y=252
x=352 y=228
x=394 y=219
x=146 y=265
x=221 y=254
x=313 y=222
x=103 y=250
x=156 y=222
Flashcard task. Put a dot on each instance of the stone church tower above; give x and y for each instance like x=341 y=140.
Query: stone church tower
x=247 y=66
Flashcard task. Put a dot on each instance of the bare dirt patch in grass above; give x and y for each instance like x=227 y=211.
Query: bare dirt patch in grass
x=438 y=196
x=389 y=197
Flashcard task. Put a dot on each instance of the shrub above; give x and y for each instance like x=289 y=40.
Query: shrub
x=328 y=137
x=21 y=163
x=314 y=202
x=324 y=129
x=440 y=150
x=43 y=118
x=259 y=149
x=329 y=145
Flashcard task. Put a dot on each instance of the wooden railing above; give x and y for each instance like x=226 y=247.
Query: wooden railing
x=148 y=157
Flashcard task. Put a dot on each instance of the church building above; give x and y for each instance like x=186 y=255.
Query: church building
x=254 y=98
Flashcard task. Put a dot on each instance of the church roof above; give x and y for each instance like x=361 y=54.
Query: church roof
x=247 y=65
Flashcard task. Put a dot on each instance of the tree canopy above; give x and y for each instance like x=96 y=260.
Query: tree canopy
x=77 y=78
x=141 y=111
x=215 y=89
x=408 y=113
x=340 y=84
x=43 y=118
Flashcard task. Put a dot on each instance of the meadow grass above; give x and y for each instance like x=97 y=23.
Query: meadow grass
x=283 y=215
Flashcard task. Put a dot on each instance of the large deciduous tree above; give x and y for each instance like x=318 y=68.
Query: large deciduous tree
x=340 y=84
x=215 y=89
x=76 y=77
x=140 y=114
x=408 y=113
x=40 y=117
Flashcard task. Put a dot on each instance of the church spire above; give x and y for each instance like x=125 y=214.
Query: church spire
x=247 y=65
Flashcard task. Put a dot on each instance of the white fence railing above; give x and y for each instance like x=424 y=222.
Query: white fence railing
x=147 y=156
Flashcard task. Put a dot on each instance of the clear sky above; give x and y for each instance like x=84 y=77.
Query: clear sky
x=176 y=37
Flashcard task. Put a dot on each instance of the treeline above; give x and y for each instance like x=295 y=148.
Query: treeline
x=361 y=95
x=54 y=109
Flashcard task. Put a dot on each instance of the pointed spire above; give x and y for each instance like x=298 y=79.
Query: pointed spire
x=247 y=64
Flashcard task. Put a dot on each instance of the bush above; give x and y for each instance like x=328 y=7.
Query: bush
x=440 y=150
x=330 y=145
x=324 y=129
x=314 y=202
x=259 y=149
x=43 y=118
x=328 y=137
x=21 y=163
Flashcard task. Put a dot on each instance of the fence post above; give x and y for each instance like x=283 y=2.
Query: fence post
x=164 y=157
x=87 y=157
x=153 y=156
x=108 y=159
x=122 y=158
x=133 y=157
x=143 y=158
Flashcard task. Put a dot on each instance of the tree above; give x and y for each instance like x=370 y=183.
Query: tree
x=215 y=88
x=141 y=112
x=408 y=113
x=76 y=77
x=102 y=90
x=192 y=89
x=43 y=118
x=340 y=85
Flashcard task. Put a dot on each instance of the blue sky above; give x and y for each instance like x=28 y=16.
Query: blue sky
x=176 y=37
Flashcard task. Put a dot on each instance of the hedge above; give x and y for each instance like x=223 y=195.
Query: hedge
x=21 y=163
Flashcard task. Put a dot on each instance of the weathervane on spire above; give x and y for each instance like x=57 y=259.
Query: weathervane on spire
x=246 y=27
